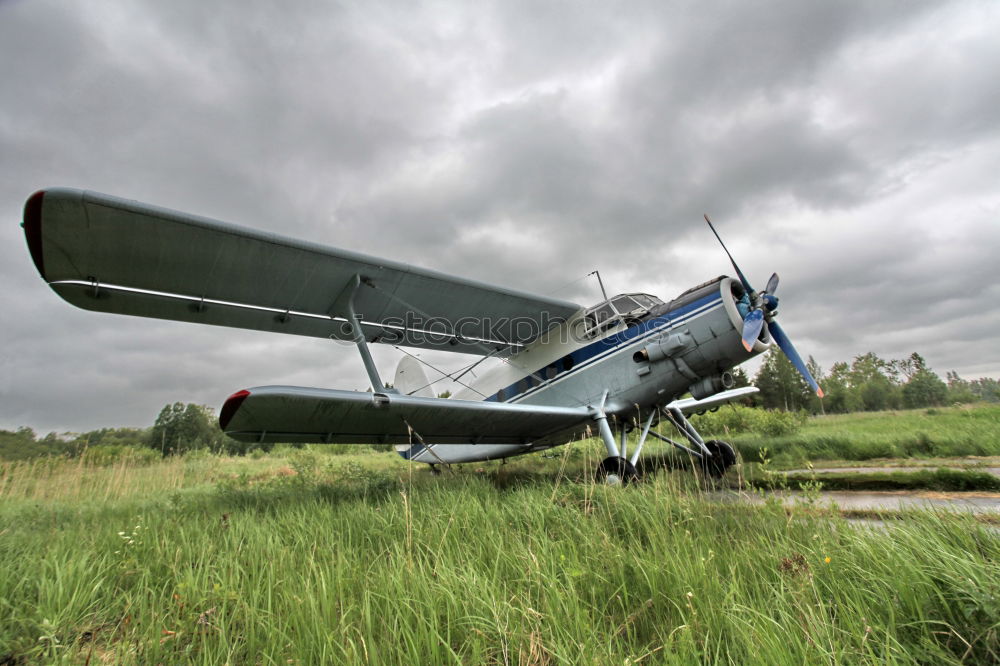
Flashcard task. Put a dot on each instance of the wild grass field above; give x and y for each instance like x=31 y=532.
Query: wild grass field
x=308 y=557
x=943 y=432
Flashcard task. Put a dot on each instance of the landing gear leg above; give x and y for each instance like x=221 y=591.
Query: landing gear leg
x=613 y=470
x=714 y=456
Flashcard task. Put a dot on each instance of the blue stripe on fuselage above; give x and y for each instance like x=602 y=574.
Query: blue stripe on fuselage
x=586 y=356
x=412 y=452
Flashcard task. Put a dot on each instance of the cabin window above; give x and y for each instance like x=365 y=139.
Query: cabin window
x=568 y=363
x=550 y=372
x=502 y=395
x=604 y=313
x=646 y=300
x=600 y=318
x=625 y=304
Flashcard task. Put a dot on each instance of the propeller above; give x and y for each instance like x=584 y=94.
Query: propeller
x=765 y=306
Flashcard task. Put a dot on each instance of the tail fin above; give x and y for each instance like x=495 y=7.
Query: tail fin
x=411 y=378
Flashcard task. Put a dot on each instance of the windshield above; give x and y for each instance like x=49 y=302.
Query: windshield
x=610 y=312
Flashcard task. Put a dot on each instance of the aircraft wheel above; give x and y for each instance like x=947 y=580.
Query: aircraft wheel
x=723 y=457
x=616 y=471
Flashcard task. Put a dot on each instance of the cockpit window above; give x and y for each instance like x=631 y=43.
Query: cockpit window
x=646 y=300
x=626 y=304
x=603 y=313
x=631 y=306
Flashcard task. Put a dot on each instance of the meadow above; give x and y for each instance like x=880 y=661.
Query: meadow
x=942 y=432
x=313 y=556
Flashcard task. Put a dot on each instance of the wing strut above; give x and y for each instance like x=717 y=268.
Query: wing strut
x=427 y=447
x=344 y=307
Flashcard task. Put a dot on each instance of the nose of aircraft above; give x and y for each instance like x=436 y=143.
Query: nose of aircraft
x=756 y=318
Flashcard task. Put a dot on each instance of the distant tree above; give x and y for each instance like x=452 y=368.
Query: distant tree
x=18 y=444
x=924 y=389
x=959 y=390
x=840 y=397
x=181 y=427
x=986 y=388
x=815 y=402
x=965 y=391
x=781 y=386
x=871 y=379
x=23 y=443
x=906 y=368
x=112 y=437
x=444 y=394
x=740 y=378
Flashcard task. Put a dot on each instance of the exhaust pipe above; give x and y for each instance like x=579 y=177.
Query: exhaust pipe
x=657 y=350
x=711 y=385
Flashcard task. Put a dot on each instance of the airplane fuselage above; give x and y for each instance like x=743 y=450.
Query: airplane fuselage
x=687 y=345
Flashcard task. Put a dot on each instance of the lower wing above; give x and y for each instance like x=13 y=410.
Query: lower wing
x=689 y=405
x=293 y=414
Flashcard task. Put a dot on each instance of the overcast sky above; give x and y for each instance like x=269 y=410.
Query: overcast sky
x=853 y=147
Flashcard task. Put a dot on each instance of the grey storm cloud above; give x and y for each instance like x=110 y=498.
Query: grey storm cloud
x=850 y=146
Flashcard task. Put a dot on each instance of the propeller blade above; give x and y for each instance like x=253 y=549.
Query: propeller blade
x=772 y=284
x=743 y=279
x=754 y=321
x=751 y=328
x=786 y=346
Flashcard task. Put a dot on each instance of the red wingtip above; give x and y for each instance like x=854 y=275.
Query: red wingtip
x=232 y=404
x=749 y=348
x=819 y=392
x=33 y=229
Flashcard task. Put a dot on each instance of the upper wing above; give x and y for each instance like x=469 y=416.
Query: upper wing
x=112 y=255
x=293 y=414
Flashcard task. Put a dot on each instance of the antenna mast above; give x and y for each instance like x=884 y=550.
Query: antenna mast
x=600 y=282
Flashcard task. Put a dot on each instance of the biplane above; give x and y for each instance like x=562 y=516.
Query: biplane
x=564 y=370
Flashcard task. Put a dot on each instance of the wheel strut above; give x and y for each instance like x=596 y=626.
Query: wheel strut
x=614 y=469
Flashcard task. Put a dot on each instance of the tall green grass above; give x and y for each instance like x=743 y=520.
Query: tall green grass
x=318 y=562
x=932 y=433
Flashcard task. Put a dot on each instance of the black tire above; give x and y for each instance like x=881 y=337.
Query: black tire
x=616 y=468
x=723 y=457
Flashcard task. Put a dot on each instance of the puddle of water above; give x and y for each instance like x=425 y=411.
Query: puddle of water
x=888 y=500
x=819 y=471
x=877 y=525
x=975 y=502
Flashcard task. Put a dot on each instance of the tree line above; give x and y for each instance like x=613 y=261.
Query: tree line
x=179 y=428
x=868 y=383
